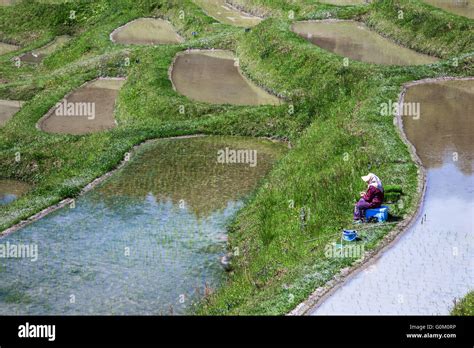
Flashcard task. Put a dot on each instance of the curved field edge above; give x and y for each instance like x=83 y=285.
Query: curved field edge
x=412 y=23
x=331 y=115
x=279 y=262
x=59 y=166
x=318 y=296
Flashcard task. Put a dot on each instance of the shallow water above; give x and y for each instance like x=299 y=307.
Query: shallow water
x=214 y=77
x=227 y=14
x=8 y=108
x=460 y=7
x=355 y=41
x=93 y=107
x=38 y=55
x=147 y=240
x=432 y=263
x=146 y=31
x=11 y=190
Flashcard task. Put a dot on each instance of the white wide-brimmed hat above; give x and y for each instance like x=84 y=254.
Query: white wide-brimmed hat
x=367 y=177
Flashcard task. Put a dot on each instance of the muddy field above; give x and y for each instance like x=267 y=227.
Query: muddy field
x=86 y=110
x=146 y=31
x=214 y=77
x=354 y=40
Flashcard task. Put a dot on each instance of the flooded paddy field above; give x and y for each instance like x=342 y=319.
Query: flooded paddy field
x=146 y=31
x=431 y=264
x=460 y=7
x=37 y=56
x=354 y=40
x=155 y=235
x=87 y=109
x=227 y=14
x=8 y=108
x=11 y=190
x=213 y=76
x=146 y=241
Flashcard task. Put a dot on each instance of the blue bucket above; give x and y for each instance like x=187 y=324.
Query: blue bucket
x=349 y=235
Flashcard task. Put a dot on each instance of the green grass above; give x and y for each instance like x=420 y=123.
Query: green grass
x=465 y=306
x=331 y=116
x=412 y=23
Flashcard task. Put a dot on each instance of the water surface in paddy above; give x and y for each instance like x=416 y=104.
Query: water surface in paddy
x=86 y=110
x=226 y=13
x=460 y=7
x=11 y=190
x=146 y=31
x=432 y=263
x=354 y=40
x=8 y=108
x=213 y=76
x=141 y=242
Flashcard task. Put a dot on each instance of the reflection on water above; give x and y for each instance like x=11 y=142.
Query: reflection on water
x=354 y=40
x=432 y=263
x=146 y=241
x=10 y=190
x=446 y=123
x=459 y=7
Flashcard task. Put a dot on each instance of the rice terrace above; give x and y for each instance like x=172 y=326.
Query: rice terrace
x=236 y=157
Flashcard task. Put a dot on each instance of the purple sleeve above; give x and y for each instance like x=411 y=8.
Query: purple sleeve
x=369 y=195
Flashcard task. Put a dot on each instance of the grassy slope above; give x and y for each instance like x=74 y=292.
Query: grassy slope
x=465 y=306
x=334 y=108
x=422 y=27
x=279 y=264
x=59 y=165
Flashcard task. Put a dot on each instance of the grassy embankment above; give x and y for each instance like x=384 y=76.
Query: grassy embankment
x=60 y=165
x=280 y=264
x=332 y=117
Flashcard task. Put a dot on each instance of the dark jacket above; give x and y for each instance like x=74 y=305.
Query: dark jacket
x=373 y=196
